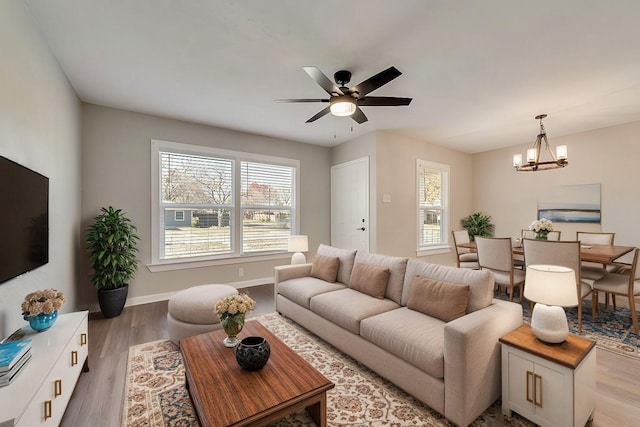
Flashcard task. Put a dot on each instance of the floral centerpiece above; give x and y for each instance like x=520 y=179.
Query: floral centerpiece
x=541 y=227
x=231 y=311
x=40 y=308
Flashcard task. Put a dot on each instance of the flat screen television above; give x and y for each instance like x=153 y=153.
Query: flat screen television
x=24 y=219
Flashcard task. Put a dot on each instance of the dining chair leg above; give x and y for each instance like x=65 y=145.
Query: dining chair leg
x=613 y=301
x=634 y=314
x=594 y=305
x=511 y=293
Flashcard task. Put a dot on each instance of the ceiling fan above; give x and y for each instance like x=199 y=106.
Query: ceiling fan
x=346 y=101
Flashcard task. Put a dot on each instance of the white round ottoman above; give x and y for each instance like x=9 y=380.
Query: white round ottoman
x=191 y=311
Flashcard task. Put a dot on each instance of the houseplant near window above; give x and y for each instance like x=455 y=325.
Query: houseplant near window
x=112 y=244
x=478 y=224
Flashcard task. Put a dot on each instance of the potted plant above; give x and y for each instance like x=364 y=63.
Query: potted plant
x=112 y=244
x=478 y=224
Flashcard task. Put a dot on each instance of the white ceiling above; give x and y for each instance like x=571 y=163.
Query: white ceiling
x=478 y=71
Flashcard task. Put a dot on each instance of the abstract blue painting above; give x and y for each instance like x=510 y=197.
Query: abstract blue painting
x=571 y=203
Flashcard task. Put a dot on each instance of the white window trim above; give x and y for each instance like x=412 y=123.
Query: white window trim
x=175 y=216
x=236 y=256
x=443 y=246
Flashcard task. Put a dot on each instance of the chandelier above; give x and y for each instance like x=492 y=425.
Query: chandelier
x=533 y=163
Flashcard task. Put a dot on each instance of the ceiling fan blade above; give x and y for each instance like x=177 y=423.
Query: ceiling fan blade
x=374 y=82
x=384 y=101
x=322 y=113
x=324 y=82
x=301 y=100
x=359 y=116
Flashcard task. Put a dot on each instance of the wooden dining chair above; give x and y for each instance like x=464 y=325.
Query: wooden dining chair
x=496 y=255
x=623 y=284
x=590 y=270
x=563 y=253
x=465 y=258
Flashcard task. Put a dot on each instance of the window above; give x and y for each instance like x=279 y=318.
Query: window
x=433 y=194
x=239 y=204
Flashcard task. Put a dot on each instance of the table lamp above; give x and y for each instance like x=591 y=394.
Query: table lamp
x=551 y=287
x=298 y=244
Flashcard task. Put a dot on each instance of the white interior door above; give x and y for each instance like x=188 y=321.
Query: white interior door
x=350 y=205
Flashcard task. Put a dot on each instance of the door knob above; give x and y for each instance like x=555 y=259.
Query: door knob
x=361 y=228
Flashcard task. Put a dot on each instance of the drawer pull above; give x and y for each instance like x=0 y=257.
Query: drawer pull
x=83 y=338
x=529 y=375
x=57 y=388
x=47 y=409
x=537 y=391
x=74 y=358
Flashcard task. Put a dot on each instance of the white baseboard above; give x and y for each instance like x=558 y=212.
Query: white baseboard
x=94 y=308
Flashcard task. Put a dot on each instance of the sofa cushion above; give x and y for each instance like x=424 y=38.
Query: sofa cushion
x=302 y=289
x=347 y=307
x=347 y=257
x=442 y=300
x=414 y=337
x=325 y=268
x=369 y=279
x=481 y=282
x=397 y=267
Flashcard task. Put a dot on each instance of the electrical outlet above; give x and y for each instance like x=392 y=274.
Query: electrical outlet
x=241 y=272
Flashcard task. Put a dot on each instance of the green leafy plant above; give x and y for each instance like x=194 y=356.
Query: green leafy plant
x=478 y=224
x=112 y=244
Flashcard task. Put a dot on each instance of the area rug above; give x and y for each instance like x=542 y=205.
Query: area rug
x=155 y=393
x=612 y=329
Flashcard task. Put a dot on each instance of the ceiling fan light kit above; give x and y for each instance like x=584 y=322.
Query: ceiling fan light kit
x=342 y=105
x=533 y=163
x=344 y=101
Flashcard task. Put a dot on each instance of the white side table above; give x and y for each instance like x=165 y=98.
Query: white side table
x=549 y=384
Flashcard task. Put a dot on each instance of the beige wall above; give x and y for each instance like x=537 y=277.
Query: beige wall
x=40 y=129
x=393 y=173
x=396 y=165
x=606 y=156
x=116 y=159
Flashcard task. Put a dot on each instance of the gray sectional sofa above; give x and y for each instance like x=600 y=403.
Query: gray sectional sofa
x=451 y=365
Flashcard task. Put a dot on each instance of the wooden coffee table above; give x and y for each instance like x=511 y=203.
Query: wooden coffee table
x=224 y=394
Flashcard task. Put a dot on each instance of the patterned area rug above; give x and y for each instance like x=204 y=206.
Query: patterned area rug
x=611 y=330
x=155 y=393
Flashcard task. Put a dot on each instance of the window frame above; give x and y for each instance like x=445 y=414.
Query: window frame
x=235 y=255
x=443 y=246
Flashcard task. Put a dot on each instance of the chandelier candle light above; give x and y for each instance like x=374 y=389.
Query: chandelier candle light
x=551 y=287
x=533 y=163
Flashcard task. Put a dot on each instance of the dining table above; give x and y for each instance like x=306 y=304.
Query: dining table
x=602 y=254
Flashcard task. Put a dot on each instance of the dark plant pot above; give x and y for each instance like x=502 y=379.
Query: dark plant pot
x=112 y=300
x=253 y=353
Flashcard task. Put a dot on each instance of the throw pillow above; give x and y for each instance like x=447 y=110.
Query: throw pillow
x=442 y=300
x=325 y=268
x=370 y=279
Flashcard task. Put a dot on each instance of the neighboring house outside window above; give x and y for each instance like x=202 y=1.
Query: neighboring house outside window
x=231 y=204
x=432 y=183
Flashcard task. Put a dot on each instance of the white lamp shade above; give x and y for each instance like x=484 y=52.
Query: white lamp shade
x=298 y=243
x=532 y=153
x=551 y=285
x=561 y=152
x=517 y=160
x=342 y=105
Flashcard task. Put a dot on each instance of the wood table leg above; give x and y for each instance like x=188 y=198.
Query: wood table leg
x=318 y=411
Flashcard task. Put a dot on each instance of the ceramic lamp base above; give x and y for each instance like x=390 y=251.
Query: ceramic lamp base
x=549 y=323
x=298 y=258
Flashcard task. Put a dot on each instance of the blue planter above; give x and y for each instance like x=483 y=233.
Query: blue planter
x=42 y=321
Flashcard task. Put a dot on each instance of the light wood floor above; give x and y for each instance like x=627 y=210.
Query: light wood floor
x=97 y=399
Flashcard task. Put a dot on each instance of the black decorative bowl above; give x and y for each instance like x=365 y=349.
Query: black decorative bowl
x=253 y=353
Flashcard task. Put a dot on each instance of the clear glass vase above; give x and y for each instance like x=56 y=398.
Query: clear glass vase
x=542 y=235
x=232 y=325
